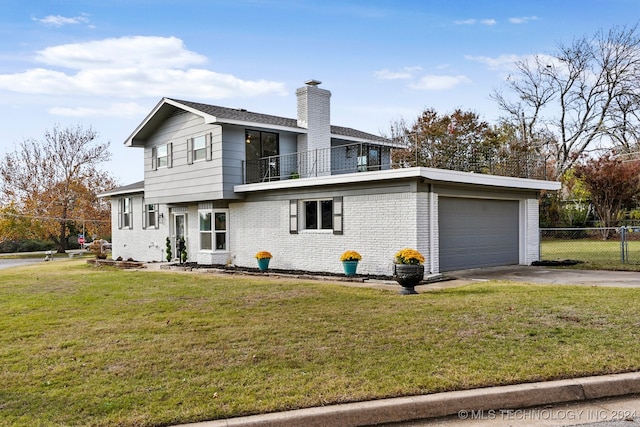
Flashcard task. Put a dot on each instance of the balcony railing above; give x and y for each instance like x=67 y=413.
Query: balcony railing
x=367 y=157
x=330 y=161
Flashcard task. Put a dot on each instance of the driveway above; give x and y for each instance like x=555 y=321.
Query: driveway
x=7 y=262
x=546 y=275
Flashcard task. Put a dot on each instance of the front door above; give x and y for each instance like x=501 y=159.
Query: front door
x=179 y=232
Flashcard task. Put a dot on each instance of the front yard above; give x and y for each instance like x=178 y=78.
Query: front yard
x=87 y=346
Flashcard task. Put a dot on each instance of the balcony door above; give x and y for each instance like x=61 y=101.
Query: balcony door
x=262 y=150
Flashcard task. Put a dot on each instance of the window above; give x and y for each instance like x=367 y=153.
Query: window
x=368 y=158
x=213 y=230
x=150 y=216
x=199 y=148
x=161 y=156
x=261 y=151
x=124 y=213
x=318 y=215
x=205 y=231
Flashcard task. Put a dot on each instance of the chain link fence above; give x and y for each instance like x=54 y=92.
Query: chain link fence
x=597 y=246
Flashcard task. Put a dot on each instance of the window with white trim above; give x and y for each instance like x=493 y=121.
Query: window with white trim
x=199 y=148
x=318 y=214
x=322 y=214
x=150 y=216
x=162 y=156
x=213 y=229
x=125 y=219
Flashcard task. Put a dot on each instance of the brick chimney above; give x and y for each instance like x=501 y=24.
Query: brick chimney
x=314 y=115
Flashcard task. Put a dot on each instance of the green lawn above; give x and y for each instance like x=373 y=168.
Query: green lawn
x=594 y=253
x=102 y=347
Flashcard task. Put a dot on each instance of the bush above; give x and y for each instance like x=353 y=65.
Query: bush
x=33 y=245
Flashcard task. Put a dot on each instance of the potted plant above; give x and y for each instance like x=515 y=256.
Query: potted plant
x=263 y=258
x=350 y=262
x=168 y=250
x=408 y=270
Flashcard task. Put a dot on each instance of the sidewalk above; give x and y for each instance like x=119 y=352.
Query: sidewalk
x=490 y=403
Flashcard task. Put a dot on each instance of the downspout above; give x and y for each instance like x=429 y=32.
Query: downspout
x=433 y=217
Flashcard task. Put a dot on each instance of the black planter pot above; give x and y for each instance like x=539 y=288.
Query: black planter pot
x=408 y=276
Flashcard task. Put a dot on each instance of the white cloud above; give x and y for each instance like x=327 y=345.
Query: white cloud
x=507 y=62
x=441 y=82
x=113 y=110
x=502 y=62
x=59 y=21
x=473 y=21
x=523 y=19
x=124 y=52
x=488 y=22
x=404 y=73
x=129 y=68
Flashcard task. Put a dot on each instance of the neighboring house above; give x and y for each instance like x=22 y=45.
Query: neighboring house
x=232 y=183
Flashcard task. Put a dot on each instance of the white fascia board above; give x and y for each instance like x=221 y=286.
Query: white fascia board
x=391 y=174
x=108 y=194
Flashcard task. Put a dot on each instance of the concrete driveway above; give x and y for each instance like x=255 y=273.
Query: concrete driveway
x=546 y=275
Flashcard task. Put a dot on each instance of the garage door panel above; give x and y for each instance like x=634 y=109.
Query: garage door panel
x=478 y=233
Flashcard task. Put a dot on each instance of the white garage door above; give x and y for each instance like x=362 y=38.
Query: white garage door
x=477 y=233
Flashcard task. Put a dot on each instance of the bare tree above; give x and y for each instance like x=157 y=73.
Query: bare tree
x=584 y=94
x=55 y=181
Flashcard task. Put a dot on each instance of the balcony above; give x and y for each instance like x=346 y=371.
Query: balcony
x=354 y=158
x=331 y=161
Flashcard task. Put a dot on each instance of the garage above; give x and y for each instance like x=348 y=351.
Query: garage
x=477 y=232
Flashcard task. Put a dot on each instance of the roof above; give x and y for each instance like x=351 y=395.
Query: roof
x=428 y=174
x=217 y=114
x=136 y=187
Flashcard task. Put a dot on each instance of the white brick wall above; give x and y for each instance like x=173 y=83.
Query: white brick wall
x=137 y=243
x=532 y=232
x=376 y=226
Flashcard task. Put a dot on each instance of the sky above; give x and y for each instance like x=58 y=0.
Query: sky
x=106 y=64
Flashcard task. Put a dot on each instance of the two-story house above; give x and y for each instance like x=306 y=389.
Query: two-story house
x=231 y=182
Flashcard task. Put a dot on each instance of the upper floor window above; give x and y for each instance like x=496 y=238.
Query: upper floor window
x=199 y=148
x=161 y=156
x=261 y=151
x=125 y=213
x=368 y=158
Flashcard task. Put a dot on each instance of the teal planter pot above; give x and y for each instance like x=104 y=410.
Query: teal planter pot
x=350 y=267
x=263 y=264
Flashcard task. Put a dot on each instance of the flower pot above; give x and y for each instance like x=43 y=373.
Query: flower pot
x=350 y=267
x=263 y=263
x=408 y=276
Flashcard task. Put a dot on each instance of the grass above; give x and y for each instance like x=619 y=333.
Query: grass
x=99 y=347
x=595 y=254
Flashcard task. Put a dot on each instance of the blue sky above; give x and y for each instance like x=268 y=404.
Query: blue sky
x=106 y=64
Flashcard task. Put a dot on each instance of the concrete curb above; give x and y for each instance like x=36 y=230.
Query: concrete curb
x=442 y=404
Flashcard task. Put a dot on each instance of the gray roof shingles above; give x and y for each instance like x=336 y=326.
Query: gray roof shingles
x=266 y=119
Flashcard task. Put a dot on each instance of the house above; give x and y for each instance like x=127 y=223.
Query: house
x=231 y=182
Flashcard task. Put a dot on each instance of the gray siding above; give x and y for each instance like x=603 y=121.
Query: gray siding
x=201 y=180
